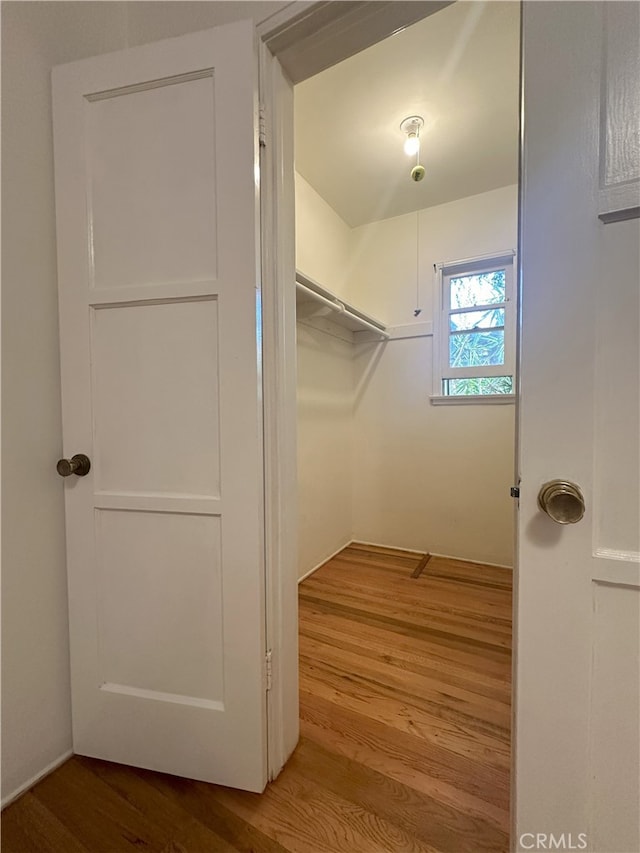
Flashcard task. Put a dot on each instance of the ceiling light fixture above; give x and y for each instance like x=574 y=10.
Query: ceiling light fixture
x=412 y=126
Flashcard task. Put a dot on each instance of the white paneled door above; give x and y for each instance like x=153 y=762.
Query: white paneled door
x=577 y=738
x=158 y=235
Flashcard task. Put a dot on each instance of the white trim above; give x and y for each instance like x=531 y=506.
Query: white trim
x=472 y=399
x=394 y=547
x=621 y=568
x=436 y=381
x=628 y=575
x=441 y=311
x=498 y=257
x=619 y=192
x=616 y=554
x=508 y=305
x=474 y=562
x=22 y=789
x=161 y=696
x=431 y=553
x=618 y=203
x=279 y=393
x=280 y=19
x=324 y=562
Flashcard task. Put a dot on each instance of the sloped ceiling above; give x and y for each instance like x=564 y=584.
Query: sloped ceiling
x=459 y=69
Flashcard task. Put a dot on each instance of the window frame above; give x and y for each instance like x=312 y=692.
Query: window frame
x=442 y=370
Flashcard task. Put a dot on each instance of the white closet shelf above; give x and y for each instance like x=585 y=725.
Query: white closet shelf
x=313 y=300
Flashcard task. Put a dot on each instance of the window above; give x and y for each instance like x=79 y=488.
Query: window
x=476 y=334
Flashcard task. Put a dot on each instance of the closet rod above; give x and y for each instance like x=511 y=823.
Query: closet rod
x=341 y=309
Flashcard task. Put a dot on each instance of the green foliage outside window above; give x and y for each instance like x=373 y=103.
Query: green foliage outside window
x=476 y=337
x=478 y=386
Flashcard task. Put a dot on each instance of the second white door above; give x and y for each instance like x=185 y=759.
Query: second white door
x=156 y=192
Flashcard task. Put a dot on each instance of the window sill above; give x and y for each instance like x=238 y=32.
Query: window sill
x=473 y=400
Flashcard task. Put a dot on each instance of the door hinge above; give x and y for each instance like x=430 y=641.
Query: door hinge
x=514 y=491
x=262 y=126
x=268 y=671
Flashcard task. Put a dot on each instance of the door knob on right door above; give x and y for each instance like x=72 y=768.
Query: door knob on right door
x=562 y=501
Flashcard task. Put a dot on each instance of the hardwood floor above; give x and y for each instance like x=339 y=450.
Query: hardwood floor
x=405 y=716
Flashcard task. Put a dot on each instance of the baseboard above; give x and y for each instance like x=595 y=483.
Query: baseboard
x=35 y=779
x=475 y=562
x=325 y=561
x=382 y=545
x=433 y=554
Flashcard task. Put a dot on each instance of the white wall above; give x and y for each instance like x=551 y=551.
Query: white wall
x=323 y=239
x=426 y=477
x=36 y=721
x=384 y=253
x=36 y=713
x=423 y=477
x=430 y=478
x=325 y=449
x=325 y=390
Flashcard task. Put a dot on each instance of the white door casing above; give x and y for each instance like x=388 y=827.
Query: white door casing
x=577 y=639
x=156 y=162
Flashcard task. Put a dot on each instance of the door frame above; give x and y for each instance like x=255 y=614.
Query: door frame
x=293 y=46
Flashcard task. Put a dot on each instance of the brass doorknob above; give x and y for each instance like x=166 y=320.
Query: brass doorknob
x=78 y=464
x=562 y=501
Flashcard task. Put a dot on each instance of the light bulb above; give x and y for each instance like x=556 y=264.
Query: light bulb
x=412 y=144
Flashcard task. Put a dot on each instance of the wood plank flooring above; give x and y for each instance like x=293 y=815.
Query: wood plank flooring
x=405 y=717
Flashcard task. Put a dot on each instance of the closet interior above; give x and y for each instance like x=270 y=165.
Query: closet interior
x=384 y=457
